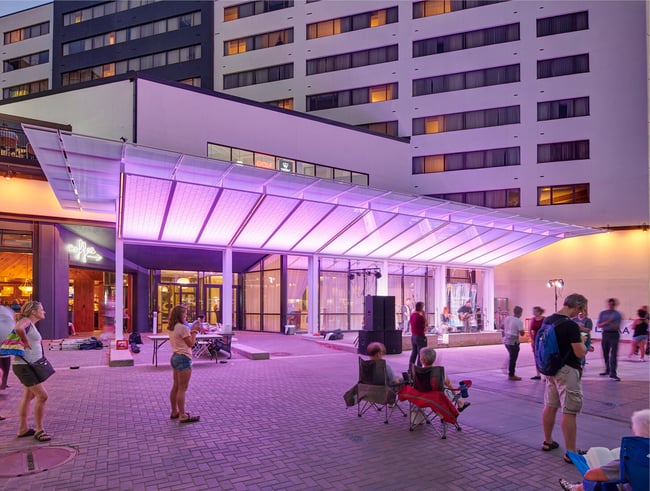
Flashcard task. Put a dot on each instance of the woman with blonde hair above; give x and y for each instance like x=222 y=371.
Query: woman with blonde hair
x=30 y=313
x=181 y=339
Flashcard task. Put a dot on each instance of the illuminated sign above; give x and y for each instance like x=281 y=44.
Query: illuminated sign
x=82 y=253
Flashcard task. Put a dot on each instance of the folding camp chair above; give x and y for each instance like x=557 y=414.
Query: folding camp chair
x=635 y=468
x=374 y=389
x=428 y=401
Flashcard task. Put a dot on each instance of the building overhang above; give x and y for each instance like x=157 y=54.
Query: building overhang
x=167 y=198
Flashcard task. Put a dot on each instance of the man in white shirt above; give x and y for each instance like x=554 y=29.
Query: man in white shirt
x=513 y=327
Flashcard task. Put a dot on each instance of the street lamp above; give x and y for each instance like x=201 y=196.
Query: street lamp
x=555 y=283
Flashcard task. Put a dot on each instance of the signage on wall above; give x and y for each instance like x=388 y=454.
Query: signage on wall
x=82 y=253
x=285 y=165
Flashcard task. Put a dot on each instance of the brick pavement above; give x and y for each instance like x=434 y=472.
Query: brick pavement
x=281 y=424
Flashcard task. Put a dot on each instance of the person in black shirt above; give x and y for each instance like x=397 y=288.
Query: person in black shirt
x=564 y=389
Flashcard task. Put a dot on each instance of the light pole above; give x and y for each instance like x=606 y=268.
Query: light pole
x=555 y=283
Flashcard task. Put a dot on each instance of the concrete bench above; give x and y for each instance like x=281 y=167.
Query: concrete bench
x=120 y=358
x=250 y=352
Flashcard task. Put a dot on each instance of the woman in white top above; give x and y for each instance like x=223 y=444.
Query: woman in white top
x=30 y=313
x=181 y=338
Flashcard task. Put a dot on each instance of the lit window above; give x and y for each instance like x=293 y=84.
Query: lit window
x=434 y=124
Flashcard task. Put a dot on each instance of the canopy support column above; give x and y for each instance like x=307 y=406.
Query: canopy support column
x=226 y=292
x=313 y=304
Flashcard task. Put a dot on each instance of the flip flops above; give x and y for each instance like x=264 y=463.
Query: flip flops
x=174 y=416
x=548 y=446
x=190 y=419
x=29 y=432
x=41 y=436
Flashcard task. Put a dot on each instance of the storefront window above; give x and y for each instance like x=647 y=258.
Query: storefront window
x=16 y=282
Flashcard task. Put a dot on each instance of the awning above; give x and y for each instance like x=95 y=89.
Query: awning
x=175 y=199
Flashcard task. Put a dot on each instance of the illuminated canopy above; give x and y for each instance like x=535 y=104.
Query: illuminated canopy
x=169 y=198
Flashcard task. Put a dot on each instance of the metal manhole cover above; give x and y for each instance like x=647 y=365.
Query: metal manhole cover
x=280 y=353
x=33 y=460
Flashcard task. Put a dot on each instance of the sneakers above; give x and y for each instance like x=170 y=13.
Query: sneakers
x=536 y=377
x=513 y=377
x=603 y=374
x=615 y=377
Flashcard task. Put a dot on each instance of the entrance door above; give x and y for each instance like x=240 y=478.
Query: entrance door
x=212 y=297
x=170 y=295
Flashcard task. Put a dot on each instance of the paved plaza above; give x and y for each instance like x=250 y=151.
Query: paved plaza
x=282 y=424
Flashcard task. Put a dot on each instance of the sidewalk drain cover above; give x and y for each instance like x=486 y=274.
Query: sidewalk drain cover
x=34 y=460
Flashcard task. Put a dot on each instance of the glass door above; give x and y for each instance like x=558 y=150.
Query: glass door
x=170 y=295
x=213 y=304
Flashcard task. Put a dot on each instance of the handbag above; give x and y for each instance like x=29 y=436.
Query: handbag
x=12 y=345
x=42 y=368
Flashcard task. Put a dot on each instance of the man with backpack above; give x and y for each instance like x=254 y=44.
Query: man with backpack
x=563 y=371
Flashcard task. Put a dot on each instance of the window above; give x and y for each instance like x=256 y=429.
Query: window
x=258 y=76
x=466 y=80
x=283 y=103
x=352 y=97
x=466 y=40
x=500 y=198
x=567 y=108
x=27 y=33
x=428 y=8
x=567 y=65
x=477 y=159
x=385 y=128
x=26 y=61
x=259 y=41
x=463 y=121
x=352 y=60
x=562 y=151
x=562 y=23
x=141 y=63
x=563 y=195
x=24 y=89
x=283 y=164
x=355 y=22
x=254 y=8
x=134 y=32
x=108 y=8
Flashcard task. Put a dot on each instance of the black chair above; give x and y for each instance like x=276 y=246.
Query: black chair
x=374 y=390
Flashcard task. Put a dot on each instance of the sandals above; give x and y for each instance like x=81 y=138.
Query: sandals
x=464 y=406
x=190 y=419
x=566 y=485
x=548 y=446
x=174 y=416
x=41 y=436
x=29 y=432
x=568 y=460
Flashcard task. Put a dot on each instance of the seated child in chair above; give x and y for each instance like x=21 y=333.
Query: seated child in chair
x=428 y=358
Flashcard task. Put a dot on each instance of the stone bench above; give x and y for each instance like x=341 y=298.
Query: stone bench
x=120 y=358
x=250 y=352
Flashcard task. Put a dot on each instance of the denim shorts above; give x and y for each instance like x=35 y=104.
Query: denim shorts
x=181 y=362
x=643 y=337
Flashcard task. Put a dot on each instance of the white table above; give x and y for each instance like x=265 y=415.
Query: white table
x=160 y=339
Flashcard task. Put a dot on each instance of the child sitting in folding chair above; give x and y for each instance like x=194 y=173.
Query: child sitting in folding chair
x=428 y=358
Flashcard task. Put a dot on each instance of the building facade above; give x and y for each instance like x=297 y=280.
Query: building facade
x=515 y=105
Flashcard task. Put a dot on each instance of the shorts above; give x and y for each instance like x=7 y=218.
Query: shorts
x=564 y=390
x=643 y=337
x=25 y=374
x=181 y=362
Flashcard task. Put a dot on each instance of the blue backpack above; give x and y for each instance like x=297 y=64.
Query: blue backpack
x=547 y=352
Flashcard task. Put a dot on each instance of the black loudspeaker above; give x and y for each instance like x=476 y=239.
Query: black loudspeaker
x=393 y=342
x=379 y=314
x=367 y=337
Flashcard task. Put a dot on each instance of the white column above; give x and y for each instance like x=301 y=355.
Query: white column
x=226 y=293
x=313 y=294
x=119 y=285
x=488 y=300
x=440 y=282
